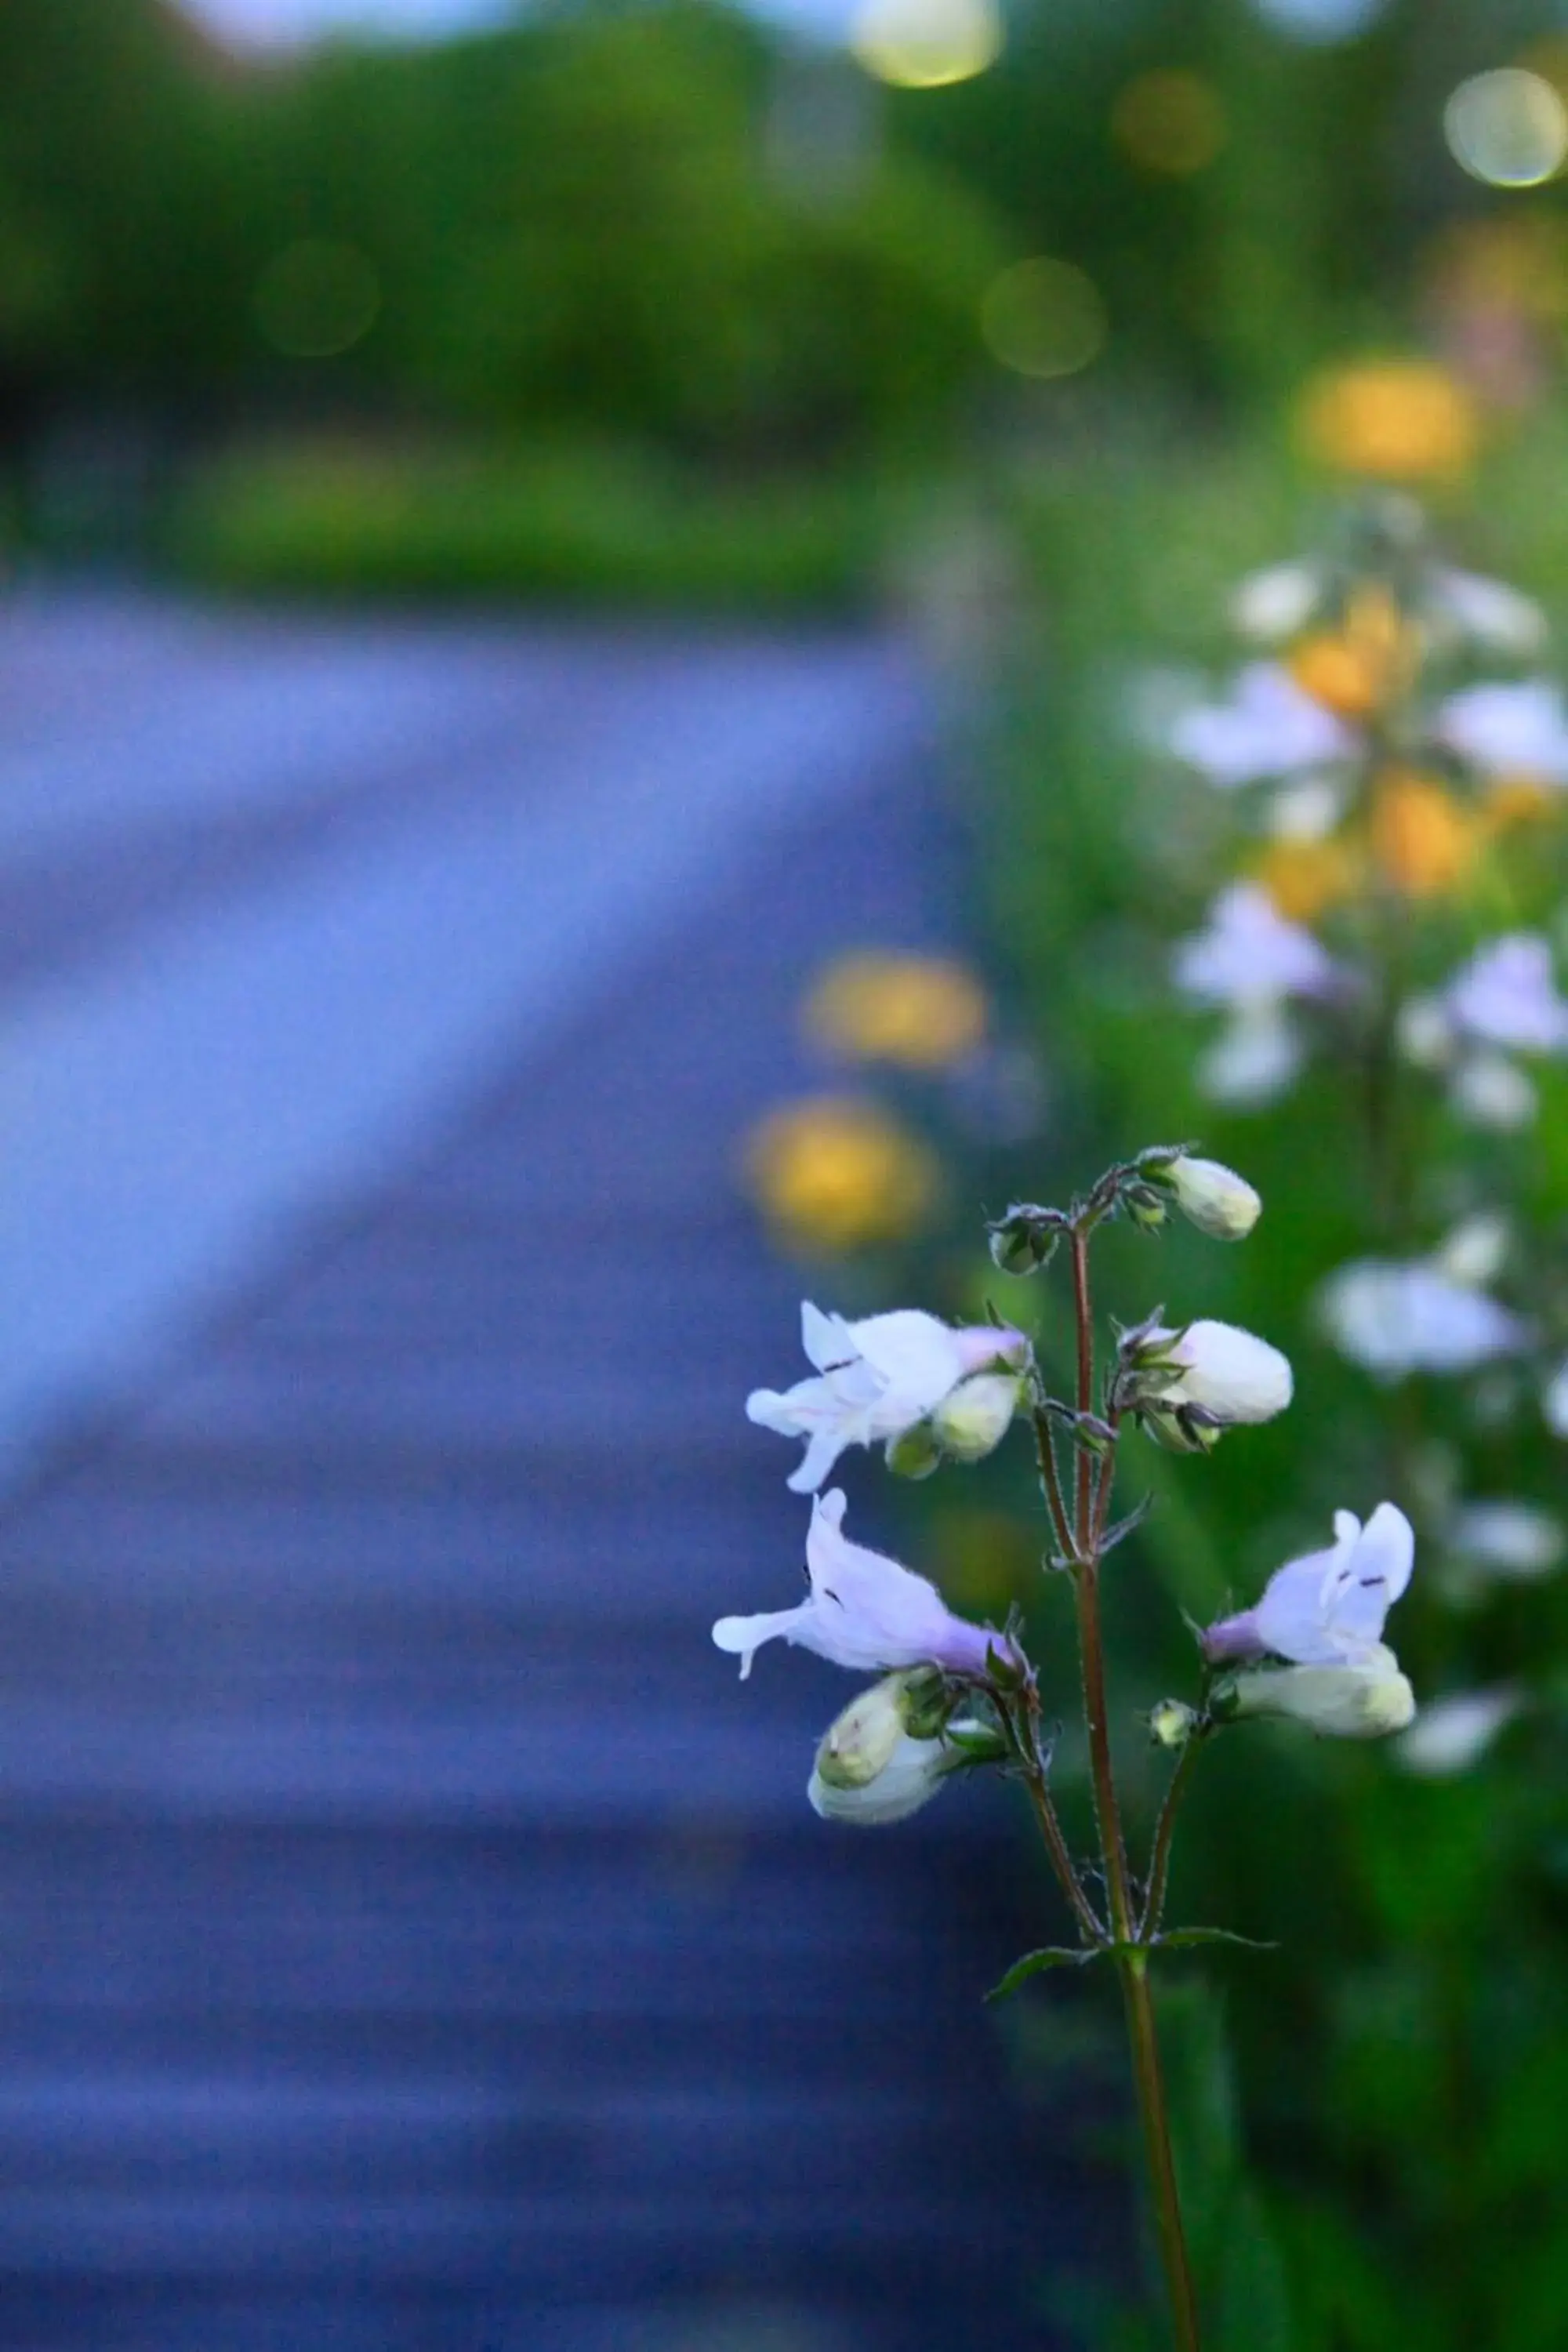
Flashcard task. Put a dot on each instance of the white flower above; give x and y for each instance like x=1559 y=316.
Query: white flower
x=862 y=1611
x=1394 y=1316
x=875 y=1380
x=1454 y=1733
x=1307 y=809
x=1228 y=1377
x=1506 y=995
x=1214 y=1198
x=1489 y=1091
x=1554 y=1401
x=1269 y=727
x=1509 y=730
x=1424 y=1033
x=1326 y=1608
x=1489 y=613
x=870 y=1768
x=1360 y=1701
x=1254 y=1059
x=1477 y=1250
x=1511 y=1539
x=1272 y=604
x=1250 y=955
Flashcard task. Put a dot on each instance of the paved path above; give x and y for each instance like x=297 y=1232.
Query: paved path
x=410 y=1933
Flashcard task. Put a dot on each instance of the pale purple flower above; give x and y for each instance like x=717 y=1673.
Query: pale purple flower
x=1394 y=1316
x=1268 y=728
x=875 y=1380
x=1506 y=995
x=1326 y=1608
x=862 y=1611
x=1248 y=954
x=1509 y=730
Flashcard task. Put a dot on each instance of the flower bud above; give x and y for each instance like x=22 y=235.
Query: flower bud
x=1024 y=1240
x=870 y=1767
x=1212 y=1373
x=1214 y=1198
x=1172 y=1723
x=860 y=1742
x=1363 y=1701
x=914 y=1453
x=972 y=1420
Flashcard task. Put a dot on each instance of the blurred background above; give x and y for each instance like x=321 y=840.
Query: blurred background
x=585 y=593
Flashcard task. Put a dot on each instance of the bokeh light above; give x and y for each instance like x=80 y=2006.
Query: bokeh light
x=317 y=298
x=1396 y=420
x=923 y=1012
x=1043 y=318
x=1169 y=120
x=1509 y=127
x=927 y=44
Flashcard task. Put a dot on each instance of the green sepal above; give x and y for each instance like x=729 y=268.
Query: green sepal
x=1049 y=1956
x=978 y=1746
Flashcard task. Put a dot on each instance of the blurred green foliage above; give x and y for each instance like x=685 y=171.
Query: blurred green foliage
x=1389 y=2168
x=577 y=523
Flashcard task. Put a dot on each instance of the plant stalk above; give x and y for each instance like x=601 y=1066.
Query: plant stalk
x=1146 y=2074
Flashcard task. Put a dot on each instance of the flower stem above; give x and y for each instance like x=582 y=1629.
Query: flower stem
x=1160 y=1857
x=1127 y=1931
x=1146 y=2074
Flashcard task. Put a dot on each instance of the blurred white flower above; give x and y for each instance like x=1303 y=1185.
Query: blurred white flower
x=1360 y=1701
x=861 y=1609
x=1477 y=1250
x=1272 y=604
x=876 y=1381
x=1517 y=730
x=1506 y=995
x=1454 y=1733
x=1328 y=1607
x=1248 y=954
x=1554 y=1401
x=1490 y=613
x=1397 y=1317
x=1269 y=727
x=1489 y=1091
x=1254 y=1059
x=1306 y=810
x=1424 y=1033
x=1506 y=1538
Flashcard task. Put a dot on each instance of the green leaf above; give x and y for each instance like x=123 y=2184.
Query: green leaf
x=1049 y=1956
x=1183 y=1938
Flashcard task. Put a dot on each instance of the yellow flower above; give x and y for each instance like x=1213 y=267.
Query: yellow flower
x=1303 y=879
x=923 y=1012
x=834 y=1173
x=1397 y=420
x=1354 y=670
x=1424 y=840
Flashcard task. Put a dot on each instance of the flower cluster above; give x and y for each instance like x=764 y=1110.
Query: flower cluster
x=927 y=1392
x=1378 y=778
x=1391 y=764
